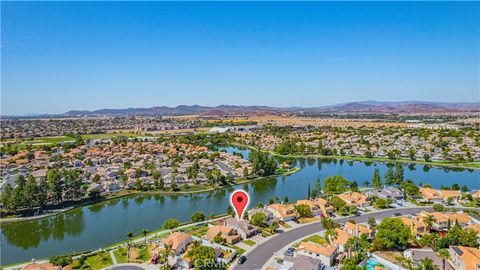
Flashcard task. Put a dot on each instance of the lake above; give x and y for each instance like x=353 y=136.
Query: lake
x=103 y=224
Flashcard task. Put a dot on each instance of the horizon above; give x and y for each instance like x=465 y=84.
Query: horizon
x=255 y=105
x=94 y=55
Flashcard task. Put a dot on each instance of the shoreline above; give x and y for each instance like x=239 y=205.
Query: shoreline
x=373 y=159
x=124 y=193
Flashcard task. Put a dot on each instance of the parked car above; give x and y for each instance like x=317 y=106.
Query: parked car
x=242 y=259
x=289 y=251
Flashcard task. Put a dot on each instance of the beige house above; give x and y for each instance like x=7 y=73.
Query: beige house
x=325 y=253
x=178 y=241
x=355 y=199
x=316 y=211
x=325 y=206
x=465 y=258
x=417 y=227
x=358 y=229
x=284 y=212
x=437 y=195
x=229 y=234
x=341 y=239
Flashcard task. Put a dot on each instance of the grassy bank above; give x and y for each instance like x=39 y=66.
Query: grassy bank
x=470 y=165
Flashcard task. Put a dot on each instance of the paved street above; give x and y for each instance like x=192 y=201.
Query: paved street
x=261 y=253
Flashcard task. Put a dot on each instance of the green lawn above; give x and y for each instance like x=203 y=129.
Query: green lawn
x=316 y=239
x=199 y=232
x=239 y=250
x=249 y=242
x=143 y=255
x=121 y=254
x=99 y=261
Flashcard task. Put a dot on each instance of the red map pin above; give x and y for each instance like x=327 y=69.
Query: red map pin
x=239 y=200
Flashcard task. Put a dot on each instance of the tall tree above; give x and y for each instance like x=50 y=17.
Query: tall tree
x=399 y=173
x=376 y=180
x=390 y=177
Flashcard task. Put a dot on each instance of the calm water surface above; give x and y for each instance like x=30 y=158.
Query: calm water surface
x=103 y=224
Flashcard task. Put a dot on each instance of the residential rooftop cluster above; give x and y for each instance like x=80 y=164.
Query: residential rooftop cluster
x=103 y=166
x=46 y=127
x=382 y=142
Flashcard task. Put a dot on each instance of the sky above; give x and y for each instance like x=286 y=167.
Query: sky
x=61 y=56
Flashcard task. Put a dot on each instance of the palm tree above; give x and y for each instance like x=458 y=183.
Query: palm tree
x=331 y=235
x=445 y=255
x=164 y=256
x=366 y=183
x=427 y=264
x=406 y=262
x=145 y=232
x=429 y=220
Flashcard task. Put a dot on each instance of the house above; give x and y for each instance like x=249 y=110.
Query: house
x=355 y=199
x=476 y=228
x=269 y=214
x=465 y=258
x=416 y=255
x=417 y=227
x=437 y=195
x=43 y=266
x=301 y=262
x=229 y=234
x=284 y=212
x=341 y=239
x=325 y=206
x=442 y=220
x=243 y=228
x=358 y=229
x=325 y=253
x=388 y=193
x=476 y=194
x=178 y=241
x=316 y=211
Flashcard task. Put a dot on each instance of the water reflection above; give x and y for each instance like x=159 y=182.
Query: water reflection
x=106 y=223
x=29 y=234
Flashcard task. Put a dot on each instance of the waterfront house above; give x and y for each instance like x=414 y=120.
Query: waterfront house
x=243 y=228
x=325 y=206
x=269 y=214
x=325 y=253
x=355 y=199
x=388 y=193
x=229 y=234
x=178 y=241
x=284 y=212
x=316 y=211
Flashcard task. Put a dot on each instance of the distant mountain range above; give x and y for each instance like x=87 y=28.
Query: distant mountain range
x=366 y=107
x=352 y=107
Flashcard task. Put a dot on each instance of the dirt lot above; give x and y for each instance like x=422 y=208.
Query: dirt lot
x=319 y=122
